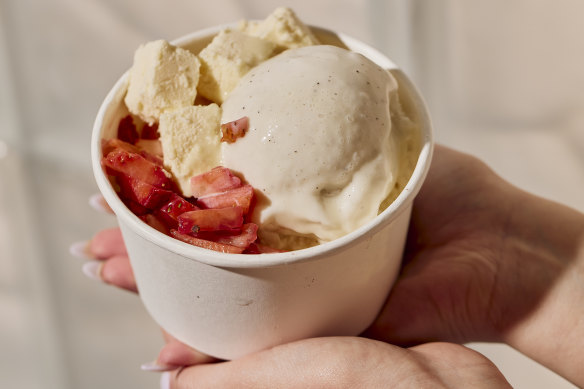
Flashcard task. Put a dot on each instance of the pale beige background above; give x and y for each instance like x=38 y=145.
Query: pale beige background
x=504 y=80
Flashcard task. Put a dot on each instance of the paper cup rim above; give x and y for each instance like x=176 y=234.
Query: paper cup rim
x=213 y=258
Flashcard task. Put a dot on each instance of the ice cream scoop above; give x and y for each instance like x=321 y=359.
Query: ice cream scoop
x=319 y=145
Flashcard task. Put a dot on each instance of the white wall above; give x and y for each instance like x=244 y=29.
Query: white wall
x=503 y=79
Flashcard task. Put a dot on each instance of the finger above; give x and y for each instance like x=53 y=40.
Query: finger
x=175 y=355
x=107 y=243
x=310 y=363
x=117 y=271
x=178 y=354
x=346 y=362
x=204 y=375
x=98 y=203
x=81 y=250
x=104 y=244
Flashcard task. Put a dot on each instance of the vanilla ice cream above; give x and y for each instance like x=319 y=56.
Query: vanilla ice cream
x=319 y=148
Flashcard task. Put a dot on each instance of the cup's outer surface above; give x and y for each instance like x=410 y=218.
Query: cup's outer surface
x=229 y=305
x=230 y=312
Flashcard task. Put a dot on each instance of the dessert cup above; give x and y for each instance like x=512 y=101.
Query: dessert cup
x=230 y=305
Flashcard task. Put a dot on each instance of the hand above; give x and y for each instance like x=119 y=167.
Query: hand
x=110 y=261
x=481 y=262
x=486 y=261
x=453 y=278
x=347 y=362
x=339 y=362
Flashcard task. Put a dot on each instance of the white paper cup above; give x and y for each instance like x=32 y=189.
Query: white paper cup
x=230 y=305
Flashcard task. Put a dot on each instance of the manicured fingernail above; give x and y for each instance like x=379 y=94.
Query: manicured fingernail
x=165 y=380
x=80 y=250
x=98 y=203
x=92 y=269
x=155 y=366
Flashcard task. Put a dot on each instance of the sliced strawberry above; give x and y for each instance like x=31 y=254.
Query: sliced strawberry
x=210 y=220
x=155 y=159
x=241 y=196
x=109 y=145
x=137 y=209
x=233 y=130
x=223 y=248
x=243 y=238
x=127 y=130
x=121 y=162
x=247 y=236
x=216 y=180
x=150 y=131
x=155 y=223
x=148 y=196
x=146 y=151
x=171 y=210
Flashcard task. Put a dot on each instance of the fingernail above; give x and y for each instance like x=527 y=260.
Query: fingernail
x=92 y=269
x=155 y=366
x=98 y=203
x=80 y=250
x=165 y=380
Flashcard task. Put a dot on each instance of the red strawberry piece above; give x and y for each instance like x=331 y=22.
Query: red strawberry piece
x=133 y=206
x=241 y=197
x=150 y=131
x=146 y=151
x=171 y=210
x=223 y=248
x=243 y=238
x=218 y=179
x=155 y=223
x=155 y=159
x=210 y=220
x=121 y=162
x=148 y=196
x=233 y=130
x=127 y=130
x=109 y=145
